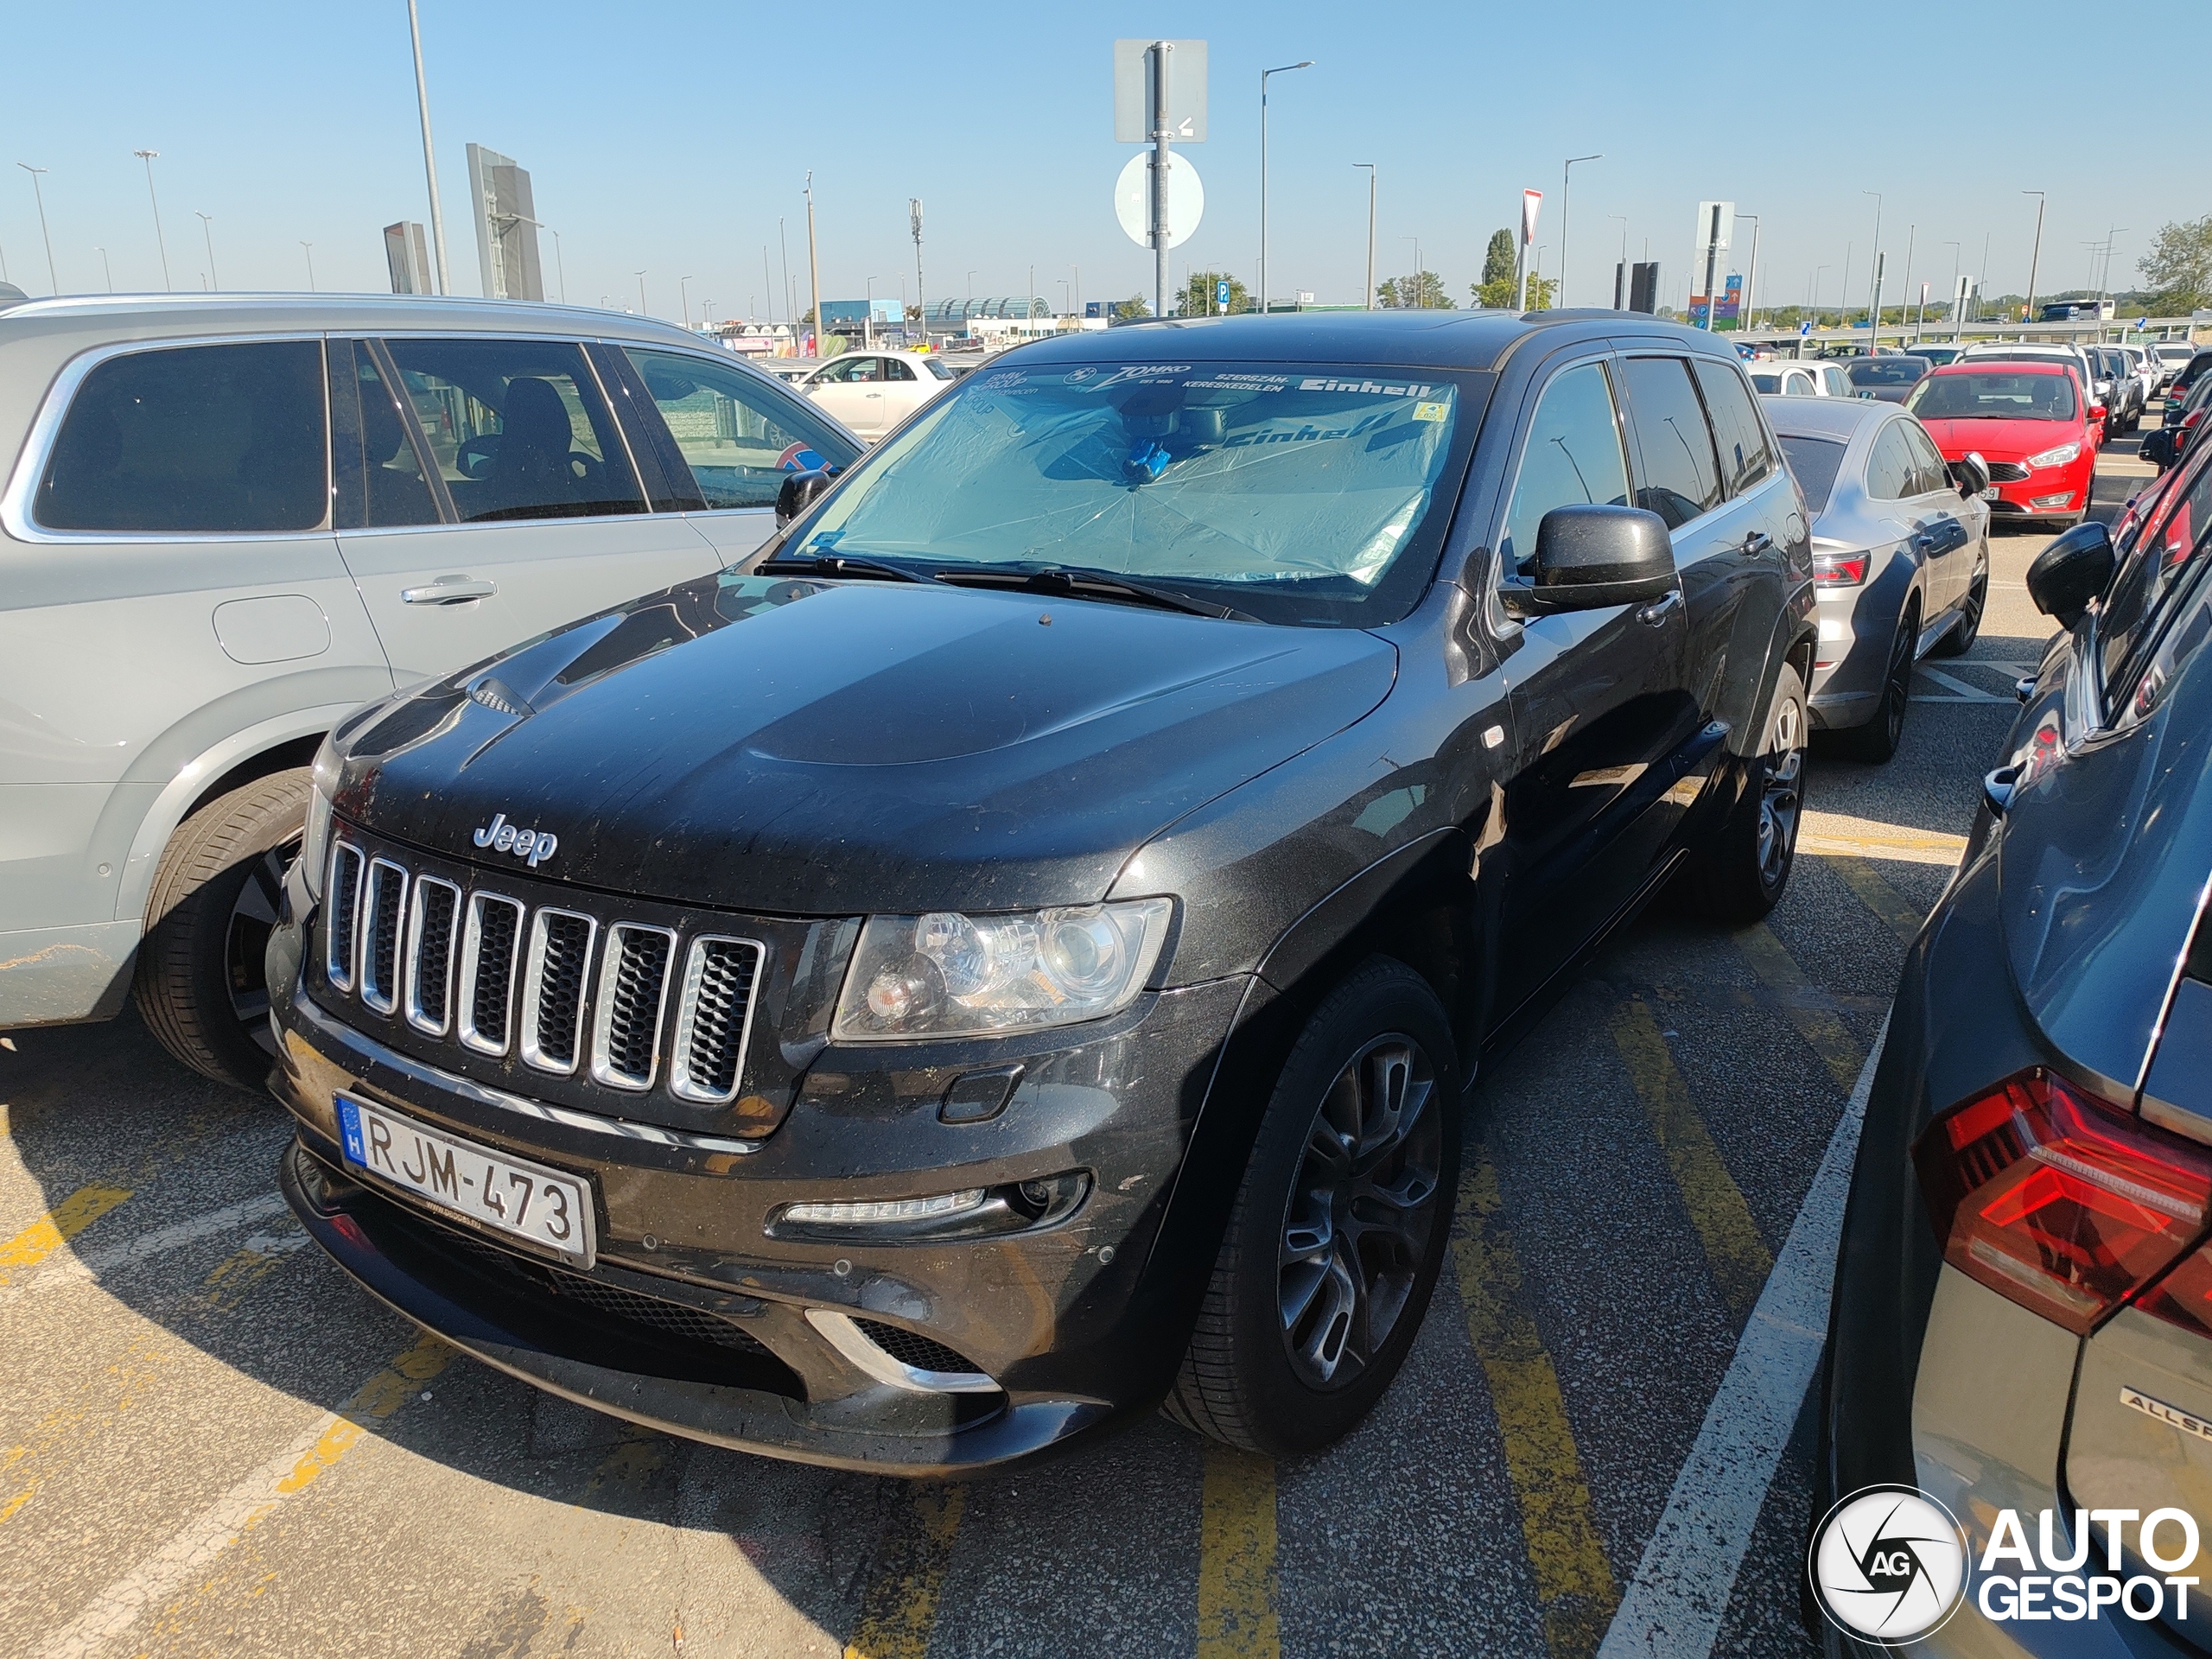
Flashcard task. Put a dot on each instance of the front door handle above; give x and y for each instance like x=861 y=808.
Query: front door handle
x=1758 y=542
x=1654 y=614
x=449 y=590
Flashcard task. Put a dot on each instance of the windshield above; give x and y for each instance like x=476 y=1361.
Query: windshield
x=1887 y=370
x=1302 y=494
x=1812 y=463
x=1981 y=395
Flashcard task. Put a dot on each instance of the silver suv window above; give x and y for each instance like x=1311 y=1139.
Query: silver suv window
x=737 y=437
x=516 y=427
x=210 y=440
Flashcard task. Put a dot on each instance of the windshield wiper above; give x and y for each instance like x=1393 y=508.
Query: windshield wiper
x=1073 y=582
x=834 y=564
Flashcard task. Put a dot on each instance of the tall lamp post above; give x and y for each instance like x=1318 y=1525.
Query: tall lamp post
x=106 y=268
x=1420 y=292
x=683 y=298
x=1283 y=69
x=1874 y=266
x=208 y=230
x=2035 y=259
x=430 y=157
x=1369 y=165
x=641 y=291
x=149 y=157
x=309 y=246
x=921 y=306
x=1750 y=278
x=1566 y=178
x=52 y=281
x=1957 y=309
x=1620 y=271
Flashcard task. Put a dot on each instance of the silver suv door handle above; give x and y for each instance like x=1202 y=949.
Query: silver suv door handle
x=449 y=590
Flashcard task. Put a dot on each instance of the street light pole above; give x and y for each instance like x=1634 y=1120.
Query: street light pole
x=108 y=269
x=814 y=263
x=148 y=156
x=430 y=157
x=921 y=305
x=1956 y=308
x=1419 y=290
x=309 y=246
x=2035 y=259
x=1566 y=178
x=52 y=281
x=208 y=230
x=560 y=265
x=1369 y=165
x=1620 y=271
x=868 y=322
x=1874 y=265
x=1282 y=70
x=1749 y=317
x=683 y=298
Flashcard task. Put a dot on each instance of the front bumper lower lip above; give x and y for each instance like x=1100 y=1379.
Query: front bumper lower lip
x=835 y=1433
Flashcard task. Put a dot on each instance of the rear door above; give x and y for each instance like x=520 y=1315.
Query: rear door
x=535 y=514
x=729 y=435
x=1602 y=713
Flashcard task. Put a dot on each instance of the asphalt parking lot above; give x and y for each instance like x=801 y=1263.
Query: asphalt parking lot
x=212 y=1442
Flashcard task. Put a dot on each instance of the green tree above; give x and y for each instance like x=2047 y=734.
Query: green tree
x=2179 y=267
x=1197 y=299
x=1423 y=291
x=1127 y=310
x=1497 y=259
x=1543 y=290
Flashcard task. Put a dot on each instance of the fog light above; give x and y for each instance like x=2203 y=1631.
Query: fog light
x=875 y=1212
x=2063 y=498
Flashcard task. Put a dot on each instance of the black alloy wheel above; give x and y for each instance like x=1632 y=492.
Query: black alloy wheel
x=1878 y=740
x=1960 y=640
x=245 y=941
x=1740 y=874
x=1359 y=1216
x=1337 y=1230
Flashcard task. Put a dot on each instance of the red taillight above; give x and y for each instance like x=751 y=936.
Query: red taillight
x=1839 y=569
x=2059 y=1202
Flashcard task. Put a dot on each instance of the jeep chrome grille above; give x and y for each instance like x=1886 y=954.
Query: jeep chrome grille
x=633 y=992
x=488 y=942
x=630 y=1005
x=713 y=1015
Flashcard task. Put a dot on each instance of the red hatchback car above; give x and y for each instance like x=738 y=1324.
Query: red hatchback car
x=2028 y=420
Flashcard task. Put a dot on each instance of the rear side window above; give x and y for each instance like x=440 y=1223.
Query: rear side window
x=516 y=427
x=895 y=370
x=206 y=439
x=1891 y=471
x=2170 y=544
x=1740 y=435
x=1680 y=477
x=1837 y=383
x=1814 y=462
x=1573 y=457
x=738 y=437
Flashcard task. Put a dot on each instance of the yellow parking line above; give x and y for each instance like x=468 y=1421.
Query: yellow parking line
x=245 y=1266
x=1878 y=896
x=1827 y=1035
x=1574 y=1582
x=1737 y=1255
x=188 y=1553
x=899 y=1607
x=57 y=1226
x=636 y=1455
x=1238 y=1616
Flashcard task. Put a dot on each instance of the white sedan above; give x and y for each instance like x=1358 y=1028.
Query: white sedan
x=871 y=391
x=1808 y=379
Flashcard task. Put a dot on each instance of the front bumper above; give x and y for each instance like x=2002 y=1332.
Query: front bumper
x=2047 y=492
x=695 y=1321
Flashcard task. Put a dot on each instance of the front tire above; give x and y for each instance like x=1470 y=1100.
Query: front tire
x=1338 y=1229
x=200 y=985
x=1740 y=876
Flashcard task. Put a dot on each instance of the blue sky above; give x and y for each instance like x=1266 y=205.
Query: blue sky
x=669 y=137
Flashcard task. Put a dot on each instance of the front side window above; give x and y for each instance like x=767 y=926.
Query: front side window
x=1930 y=473
x=516 y=427
x=1301 y=495
x=194 y=440
x=739 y=437
x=1680 y=477
x=1572 y=456
x=1745 y=460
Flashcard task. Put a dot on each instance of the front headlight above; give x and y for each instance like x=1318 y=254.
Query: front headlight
x=2058 y=457
x=314 y=850
x=946 y=975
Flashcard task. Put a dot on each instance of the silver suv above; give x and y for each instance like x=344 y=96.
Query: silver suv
x=229 y=520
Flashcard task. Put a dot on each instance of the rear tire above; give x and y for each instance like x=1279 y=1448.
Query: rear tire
x=1338 y=1228
x=1960 y=640
x=1740 y=874
x=1878 y=740
x=200 y=985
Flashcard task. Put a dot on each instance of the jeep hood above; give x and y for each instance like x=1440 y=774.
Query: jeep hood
x=840 y=748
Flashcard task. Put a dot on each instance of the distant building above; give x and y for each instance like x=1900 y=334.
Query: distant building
x=953 y=316
x=408 y=257
x=507 y=226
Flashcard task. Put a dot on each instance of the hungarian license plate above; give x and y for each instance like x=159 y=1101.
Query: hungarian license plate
x=1992 y=493
x=525 y=1200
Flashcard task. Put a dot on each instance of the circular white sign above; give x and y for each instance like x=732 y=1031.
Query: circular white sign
x=1187 y=199
x=1889 y=1563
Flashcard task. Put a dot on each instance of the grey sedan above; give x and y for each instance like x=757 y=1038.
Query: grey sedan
x=1900 y=558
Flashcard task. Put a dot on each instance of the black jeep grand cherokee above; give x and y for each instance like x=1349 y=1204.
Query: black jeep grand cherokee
x=1013 y=951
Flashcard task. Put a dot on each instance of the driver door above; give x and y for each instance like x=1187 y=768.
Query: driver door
x=851 y=389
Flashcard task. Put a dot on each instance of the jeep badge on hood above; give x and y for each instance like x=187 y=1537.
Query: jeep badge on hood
x=536 y=845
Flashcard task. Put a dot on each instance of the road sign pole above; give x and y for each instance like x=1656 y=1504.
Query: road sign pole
x=1159 y=164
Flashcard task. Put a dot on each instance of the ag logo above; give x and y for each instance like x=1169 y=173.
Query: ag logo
x=1888 y=1563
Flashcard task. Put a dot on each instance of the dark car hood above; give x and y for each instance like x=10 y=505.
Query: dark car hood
x=2104 y=855
x=854 y=747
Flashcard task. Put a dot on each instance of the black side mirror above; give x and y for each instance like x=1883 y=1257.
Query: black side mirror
x=799 y=492
x=2072 y=572
x=2157 y=449
x=1590 y=557
x=1970 y=473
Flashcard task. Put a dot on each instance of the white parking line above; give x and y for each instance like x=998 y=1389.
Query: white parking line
x=1674 y=1605
x=60 y=1269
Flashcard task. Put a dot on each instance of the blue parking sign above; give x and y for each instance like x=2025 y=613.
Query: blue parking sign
x=1221 y=292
